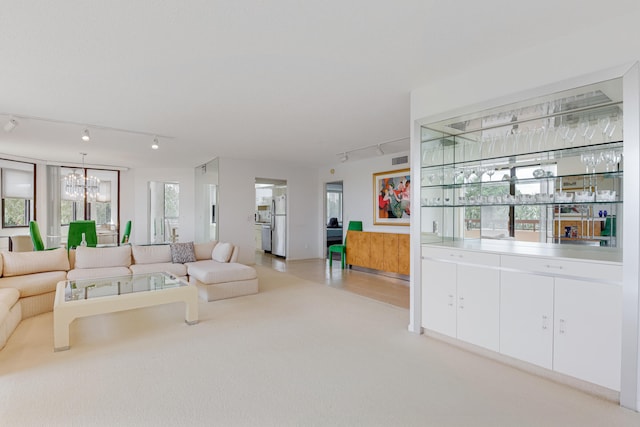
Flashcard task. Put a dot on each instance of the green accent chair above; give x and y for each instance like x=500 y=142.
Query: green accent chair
x=127 y=233
x=76 y=228
x=342 y=249
x=36 y=238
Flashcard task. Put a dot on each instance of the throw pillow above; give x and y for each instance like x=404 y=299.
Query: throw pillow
x=222 y=252
x=183 y=252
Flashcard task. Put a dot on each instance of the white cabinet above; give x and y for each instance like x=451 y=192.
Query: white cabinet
x=587 y=331
x=563 y=315
x=479 y=306
x=461 y=296
x=439 y=296
x=526 y=317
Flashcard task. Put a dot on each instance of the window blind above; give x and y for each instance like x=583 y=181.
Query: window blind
x=17 y=184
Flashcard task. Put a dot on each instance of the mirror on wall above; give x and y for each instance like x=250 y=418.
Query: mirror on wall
x=164 y=212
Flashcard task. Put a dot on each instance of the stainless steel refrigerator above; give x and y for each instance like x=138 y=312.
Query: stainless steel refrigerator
x=278 y=225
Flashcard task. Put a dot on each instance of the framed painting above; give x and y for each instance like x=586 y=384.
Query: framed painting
x=392 y=197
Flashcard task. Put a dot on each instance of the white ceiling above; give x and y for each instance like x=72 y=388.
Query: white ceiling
x=288 y=80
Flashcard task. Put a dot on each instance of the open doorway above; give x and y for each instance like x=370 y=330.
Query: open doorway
x=333 y=214
x=271 y=216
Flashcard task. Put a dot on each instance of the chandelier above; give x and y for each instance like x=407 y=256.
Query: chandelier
x=78 y=185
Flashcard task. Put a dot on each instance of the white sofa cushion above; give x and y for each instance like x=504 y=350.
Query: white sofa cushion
x=210 y=271
x=151 y=254
x=87 y=257
x=222 y=252
x=34 y=284
x=163 y=267
x=203 y=250
x=97 y=272
x=8 y=297
x=21 y=263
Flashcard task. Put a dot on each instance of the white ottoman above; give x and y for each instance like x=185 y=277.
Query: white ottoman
x=219 y=280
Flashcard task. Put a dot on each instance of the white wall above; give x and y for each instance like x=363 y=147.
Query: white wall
x=134 y=187
x=237 y=206
x=358 y=191
x=615 y=42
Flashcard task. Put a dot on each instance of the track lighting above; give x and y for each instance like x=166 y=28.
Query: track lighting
x=344 y=157
x=85 y=135
x=155 y=145
x=379 y=151
x=10 y=125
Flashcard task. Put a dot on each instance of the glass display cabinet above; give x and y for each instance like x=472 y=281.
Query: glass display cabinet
x=548 y=170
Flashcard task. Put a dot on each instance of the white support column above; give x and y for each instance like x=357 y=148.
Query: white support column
x=415 y=283
x=630 y=379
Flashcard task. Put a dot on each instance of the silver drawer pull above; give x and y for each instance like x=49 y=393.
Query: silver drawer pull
x=557 y=267
x=545 y=323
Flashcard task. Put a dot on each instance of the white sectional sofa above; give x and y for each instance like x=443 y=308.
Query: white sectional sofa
x=28 y=279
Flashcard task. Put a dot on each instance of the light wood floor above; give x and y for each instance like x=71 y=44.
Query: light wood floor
x=390 y=290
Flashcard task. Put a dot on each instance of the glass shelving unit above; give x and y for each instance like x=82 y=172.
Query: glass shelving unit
x=547 y=170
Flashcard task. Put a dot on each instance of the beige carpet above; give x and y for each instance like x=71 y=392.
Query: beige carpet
x=296 y=354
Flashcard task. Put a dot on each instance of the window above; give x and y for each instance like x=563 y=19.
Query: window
x=171 y=200
x=164 y=211
x=100 y=206
x=18 y=182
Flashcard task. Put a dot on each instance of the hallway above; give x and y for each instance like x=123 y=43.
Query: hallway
x=386 y=289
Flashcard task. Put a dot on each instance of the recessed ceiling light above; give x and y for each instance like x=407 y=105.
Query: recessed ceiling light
x=10 y=125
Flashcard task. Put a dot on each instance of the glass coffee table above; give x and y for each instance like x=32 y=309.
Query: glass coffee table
x=88 y=297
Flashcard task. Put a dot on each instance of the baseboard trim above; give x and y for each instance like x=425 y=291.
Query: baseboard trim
x=584 y=386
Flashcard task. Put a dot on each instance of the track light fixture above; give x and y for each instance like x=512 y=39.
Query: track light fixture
x=10 y=125
x=155 y=145
x=85 y=135
x=364 y=152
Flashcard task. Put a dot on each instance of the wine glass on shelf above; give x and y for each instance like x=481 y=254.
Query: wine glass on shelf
x=491 y=170
x=603 y=125
x=582 y=128
x=614 y=157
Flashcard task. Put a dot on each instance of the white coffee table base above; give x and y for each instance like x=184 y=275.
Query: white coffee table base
x=65 y=312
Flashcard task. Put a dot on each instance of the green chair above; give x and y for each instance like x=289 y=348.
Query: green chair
x=342 y=249
x=76 y=228
x=127 y=233
x=36 y=238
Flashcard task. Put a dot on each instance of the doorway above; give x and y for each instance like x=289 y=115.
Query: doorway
x=271 y=216
x=333 y=214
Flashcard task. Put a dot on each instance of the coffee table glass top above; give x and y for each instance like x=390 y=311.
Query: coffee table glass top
x=109 y=286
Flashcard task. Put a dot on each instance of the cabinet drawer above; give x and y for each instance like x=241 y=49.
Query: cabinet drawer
x=553 y=266
x=462 y=256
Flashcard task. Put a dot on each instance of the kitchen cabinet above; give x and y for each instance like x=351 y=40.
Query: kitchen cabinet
x=257 y=234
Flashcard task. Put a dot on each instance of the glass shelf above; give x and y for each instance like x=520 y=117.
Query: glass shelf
x=523 y=181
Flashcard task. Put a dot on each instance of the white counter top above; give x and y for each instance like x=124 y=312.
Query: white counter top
x=512 y=247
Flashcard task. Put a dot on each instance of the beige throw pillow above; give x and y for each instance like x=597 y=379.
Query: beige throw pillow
x=222 y=252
